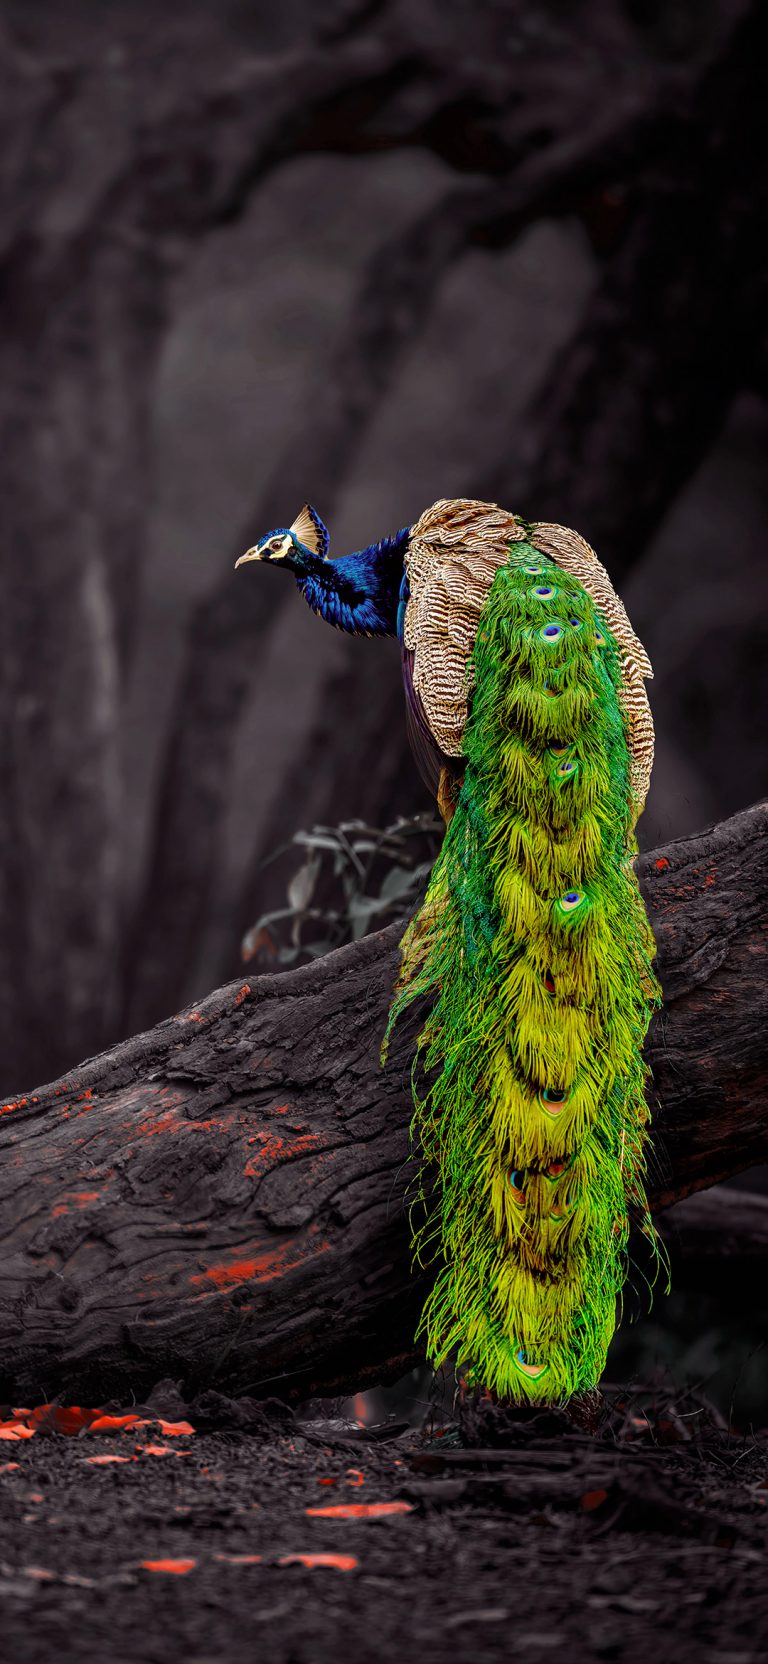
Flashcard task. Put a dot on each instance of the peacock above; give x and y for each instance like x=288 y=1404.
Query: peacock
x=529 y=720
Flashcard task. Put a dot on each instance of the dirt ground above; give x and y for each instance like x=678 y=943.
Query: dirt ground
x=645 y=1538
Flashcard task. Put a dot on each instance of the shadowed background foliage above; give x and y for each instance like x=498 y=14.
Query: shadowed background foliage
x=366 y=254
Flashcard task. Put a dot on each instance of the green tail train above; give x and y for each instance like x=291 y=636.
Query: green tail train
x=534 y=943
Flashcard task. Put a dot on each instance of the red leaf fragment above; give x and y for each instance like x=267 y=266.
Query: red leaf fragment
x=361 y=1510
x=179 y=1568
x=114 y=1424
x=74 y=1419
x=160 y=1450
x=338 y=1562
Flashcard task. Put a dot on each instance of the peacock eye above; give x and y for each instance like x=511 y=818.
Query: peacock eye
x=274 y=543
x=517 y=1186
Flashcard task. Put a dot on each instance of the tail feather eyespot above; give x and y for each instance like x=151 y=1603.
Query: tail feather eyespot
x=553 y=1100
x=517 y=1185
x=556 y=1169
x=532 y=1370
x=571 y=900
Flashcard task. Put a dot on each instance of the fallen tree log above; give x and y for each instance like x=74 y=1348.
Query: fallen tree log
x=714 y=1228
x=221 y=1199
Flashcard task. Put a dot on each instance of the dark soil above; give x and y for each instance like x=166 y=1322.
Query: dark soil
x=645 y=1539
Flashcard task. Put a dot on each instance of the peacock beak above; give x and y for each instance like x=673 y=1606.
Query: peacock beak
x=250 y=554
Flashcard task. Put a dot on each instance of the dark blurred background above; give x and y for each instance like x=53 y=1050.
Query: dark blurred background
x=369 y=254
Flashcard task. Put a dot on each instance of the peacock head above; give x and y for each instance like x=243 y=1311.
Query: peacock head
x=295 y=546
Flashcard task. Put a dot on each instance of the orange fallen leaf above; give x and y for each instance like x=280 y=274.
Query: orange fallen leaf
x=39 y=1572
x=61 y=1418
x=361 y=1510
x=110 y=1424
x=73 y=1419
x=161 y=1450
x=178 y=1567
x=339 y=1562
x=354 y=1477
x=6 y=1467
x=99 y=1461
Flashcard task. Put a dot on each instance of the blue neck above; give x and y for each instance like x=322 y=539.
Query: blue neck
x=359 y=593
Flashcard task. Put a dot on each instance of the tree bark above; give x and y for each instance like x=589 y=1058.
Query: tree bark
x=670 y=333
x=222 y=1199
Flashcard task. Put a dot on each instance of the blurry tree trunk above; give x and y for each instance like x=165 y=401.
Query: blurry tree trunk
x=83 y=280
x=77 y=343
x=671 y=332
x=222 y=1199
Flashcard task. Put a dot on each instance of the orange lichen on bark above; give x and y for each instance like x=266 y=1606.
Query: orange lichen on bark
x=77 y=1199
x=264 y=1268
x=276 y=1150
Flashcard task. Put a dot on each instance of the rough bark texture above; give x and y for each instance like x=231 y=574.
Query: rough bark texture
x=221 y=1199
